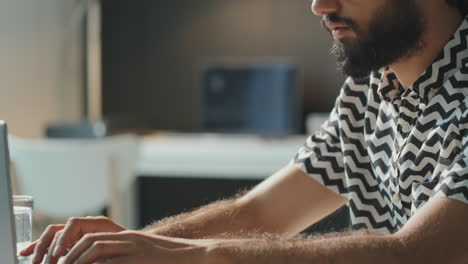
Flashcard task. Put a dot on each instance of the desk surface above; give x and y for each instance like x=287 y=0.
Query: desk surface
x=212 y=155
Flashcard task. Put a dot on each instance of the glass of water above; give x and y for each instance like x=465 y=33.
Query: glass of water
x=22 y=207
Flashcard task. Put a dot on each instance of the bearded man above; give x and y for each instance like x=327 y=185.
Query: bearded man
x=395 y=149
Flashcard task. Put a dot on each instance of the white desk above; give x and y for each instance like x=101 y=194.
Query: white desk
x=211 y=155
x=209 y=162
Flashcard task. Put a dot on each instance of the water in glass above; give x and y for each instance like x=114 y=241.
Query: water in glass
x=23 y=222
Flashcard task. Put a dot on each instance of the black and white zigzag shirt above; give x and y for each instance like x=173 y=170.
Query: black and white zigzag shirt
x=390 y=150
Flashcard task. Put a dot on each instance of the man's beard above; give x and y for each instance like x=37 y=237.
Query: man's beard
x=394 y=33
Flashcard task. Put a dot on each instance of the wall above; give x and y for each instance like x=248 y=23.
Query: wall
x=154 y=52
x=40 y=63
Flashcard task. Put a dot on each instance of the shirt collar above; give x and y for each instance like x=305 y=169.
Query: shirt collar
x=450 y=60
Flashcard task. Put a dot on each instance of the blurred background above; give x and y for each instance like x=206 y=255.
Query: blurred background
x=153 y=55
x=165 y=73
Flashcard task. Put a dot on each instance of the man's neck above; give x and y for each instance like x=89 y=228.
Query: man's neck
x=440 y=25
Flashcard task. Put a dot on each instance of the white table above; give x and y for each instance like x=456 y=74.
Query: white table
x=211 y=156
x=214 y=155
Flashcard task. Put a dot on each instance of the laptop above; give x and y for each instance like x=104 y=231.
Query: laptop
x=7 y=223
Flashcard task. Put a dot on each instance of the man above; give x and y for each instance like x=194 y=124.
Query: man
x=394 y=148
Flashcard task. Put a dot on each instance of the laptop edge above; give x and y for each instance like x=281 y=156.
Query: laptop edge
x=7 y=224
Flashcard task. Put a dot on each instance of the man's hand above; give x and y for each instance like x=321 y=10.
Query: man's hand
x=137 y=247
x=57 y=239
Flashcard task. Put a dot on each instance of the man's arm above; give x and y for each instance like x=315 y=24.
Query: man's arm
x=436 y=234
x=287 y=202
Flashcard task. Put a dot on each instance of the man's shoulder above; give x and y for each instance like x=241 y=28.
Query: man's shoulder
x=354 y=94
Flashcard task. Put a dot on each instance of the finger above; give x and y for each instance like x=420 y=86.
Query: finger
x=49 y=258
x=29 y=249
x=101 y=250
x=89 y=239
x=77 y=227
x=44 y=242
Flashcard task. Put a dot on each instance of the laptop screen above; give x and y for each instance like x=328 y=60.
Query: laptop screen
x=7 y=228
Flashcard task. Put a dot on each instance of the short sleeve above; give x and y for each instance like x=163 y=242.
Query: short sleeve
x=321 y=157
x=453 y=181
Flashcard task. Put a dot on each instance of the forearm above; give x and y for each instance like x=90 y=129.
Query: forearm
x=222 y=217
x=350 y=249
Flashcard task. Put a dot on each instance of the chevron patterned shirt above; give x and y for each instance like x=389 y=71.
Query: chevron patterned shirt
x=390 y=150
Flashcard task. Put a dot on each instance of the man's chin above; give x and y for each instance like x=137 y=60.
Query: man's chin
x=354 y=71
x=346 y=42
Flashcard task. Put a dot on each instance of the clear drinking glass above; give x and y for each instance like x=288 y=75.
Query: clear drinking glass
x=22 y=207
